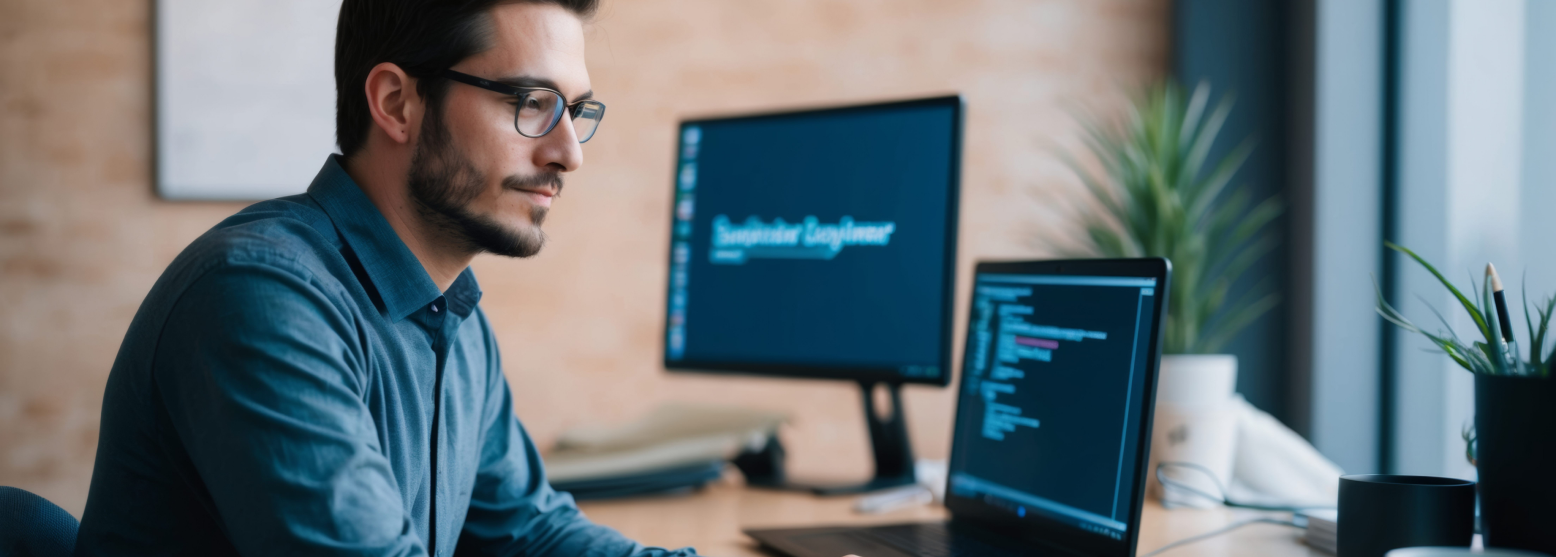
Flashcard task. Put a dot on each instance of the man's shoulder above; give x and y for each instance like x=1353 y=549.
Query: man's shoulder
x=289 y=234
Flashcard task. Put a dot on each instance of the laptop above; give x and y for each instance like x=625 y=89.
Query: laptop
x=1053 y=419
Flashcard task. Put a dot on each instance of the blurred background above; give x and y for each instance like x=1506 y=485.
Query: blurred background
x=1418 y=121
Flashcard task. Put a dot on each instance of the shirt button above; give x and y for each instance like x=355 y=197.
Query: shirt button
x=434 y=308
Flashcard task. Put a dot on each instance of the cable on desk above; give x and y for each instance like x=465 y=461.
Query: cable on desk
x=1223 y=530
x=1161 y=476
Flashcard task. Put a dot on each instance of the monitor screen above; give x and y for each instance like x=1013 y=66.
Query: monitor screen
x=818 y=243
x=1050 y=417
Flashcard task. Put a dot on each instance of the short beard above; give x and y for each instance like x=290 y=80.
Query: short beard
x=442 y=184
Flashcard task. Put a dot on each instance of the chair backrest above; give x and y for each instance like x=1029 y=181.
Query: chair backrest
x=31 y=526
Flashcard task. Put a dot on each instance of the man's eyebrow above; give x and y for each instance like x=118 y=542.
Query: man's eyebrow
x=532 y=81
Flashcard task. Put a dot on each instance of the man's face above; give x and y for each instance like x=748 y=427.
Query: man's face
x=472 y=176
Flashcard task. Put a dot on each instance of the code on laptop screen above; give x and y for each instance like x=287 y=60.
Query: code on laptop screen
x=1049 y=412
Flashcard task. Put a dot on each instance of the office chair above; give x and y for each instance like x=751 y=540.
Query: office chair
x=34 y=527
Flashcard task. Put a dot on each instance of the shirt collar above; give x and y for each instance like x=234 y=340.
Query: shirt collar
x=402 y=283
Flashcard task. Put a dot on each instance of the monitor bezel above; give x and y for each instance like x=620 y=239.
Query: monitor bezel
x=1035 y=527
x=832 y=371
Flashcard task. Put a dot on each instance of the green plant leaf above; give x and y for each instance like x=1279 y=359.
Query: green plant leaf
x=1203 y=137
x=1441 y=319
x=1534 y=344
x=1210 y=190
x=1451 y=346
x=1493 y=347
x=1156 y=193
x=1237 y=320
x=1538 y=343
x=1480 y=321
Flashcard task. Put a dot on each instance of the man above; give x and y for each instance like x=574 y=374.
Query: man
x=313 y=375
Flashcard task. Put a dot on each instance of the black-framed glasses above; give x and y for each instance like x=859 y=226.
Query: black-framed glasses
x=539 y=109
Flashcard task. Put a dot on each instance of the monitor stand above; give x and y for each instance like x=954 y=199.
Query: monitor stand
x=888 y=443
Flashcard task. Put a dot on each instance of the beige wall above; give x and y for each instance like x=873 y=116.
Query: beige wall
x=82 y=237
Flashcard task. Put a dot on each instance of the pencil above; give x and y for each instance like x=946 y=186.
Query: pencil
x=1500 y=299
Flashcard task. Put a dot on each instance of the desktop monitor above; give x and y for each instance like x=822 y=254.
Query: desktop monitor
x=818 y=244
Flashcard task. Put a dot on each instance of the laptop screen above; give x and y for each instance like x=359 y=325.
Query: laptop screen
x=1049 y=420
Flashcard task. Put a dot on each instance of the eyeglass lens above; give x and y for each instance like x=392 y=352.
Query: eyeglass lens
x=539 y=111
x=586 y=118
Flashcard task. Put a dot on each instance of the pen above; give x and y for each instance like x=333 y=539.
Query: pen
x=1504 y=322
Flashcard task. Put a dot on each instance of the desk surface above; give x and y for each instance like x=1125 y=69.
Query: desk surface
x=711 y=521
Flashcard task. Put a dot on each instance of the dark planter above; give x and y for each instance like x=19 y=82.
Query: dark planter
x=1515 y=453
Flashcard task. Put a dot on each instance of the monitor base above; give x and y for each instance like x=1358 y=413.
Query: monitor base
x=888 y=443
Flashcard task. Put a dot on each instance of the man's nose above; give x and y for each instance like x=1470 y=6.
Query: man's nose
x=560 y=150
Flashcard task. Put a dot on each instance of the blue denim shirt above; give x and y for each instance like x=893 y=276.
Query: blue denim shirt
x=295 y=384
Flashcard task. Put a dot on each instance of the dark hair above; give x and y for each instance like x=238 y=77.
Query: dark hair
x=422 y=37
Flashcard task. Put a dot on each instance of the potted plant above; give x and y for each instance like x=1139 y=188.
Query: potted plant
x=1513 y=444
x=1156 y=192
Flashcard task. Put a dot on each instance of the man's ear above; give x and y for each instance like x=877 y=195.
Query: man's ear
x=393 y=102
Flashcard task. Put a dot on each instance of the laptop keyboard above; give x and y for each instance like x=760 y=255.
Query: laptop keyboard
x=935 y=540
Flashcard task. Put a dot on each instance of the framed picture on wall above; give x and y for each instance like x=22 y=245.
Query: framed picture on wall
x=245 y=96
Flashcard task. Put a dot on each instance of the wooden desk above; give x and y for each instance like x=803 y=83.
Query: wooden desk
x=711 y=520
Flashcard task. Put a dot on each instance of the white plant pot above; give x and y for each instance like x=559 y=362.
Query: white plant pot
x=1196 y=424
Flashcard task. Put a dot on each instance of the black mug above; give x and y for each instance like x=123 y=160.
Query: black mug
x=1379 y=513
